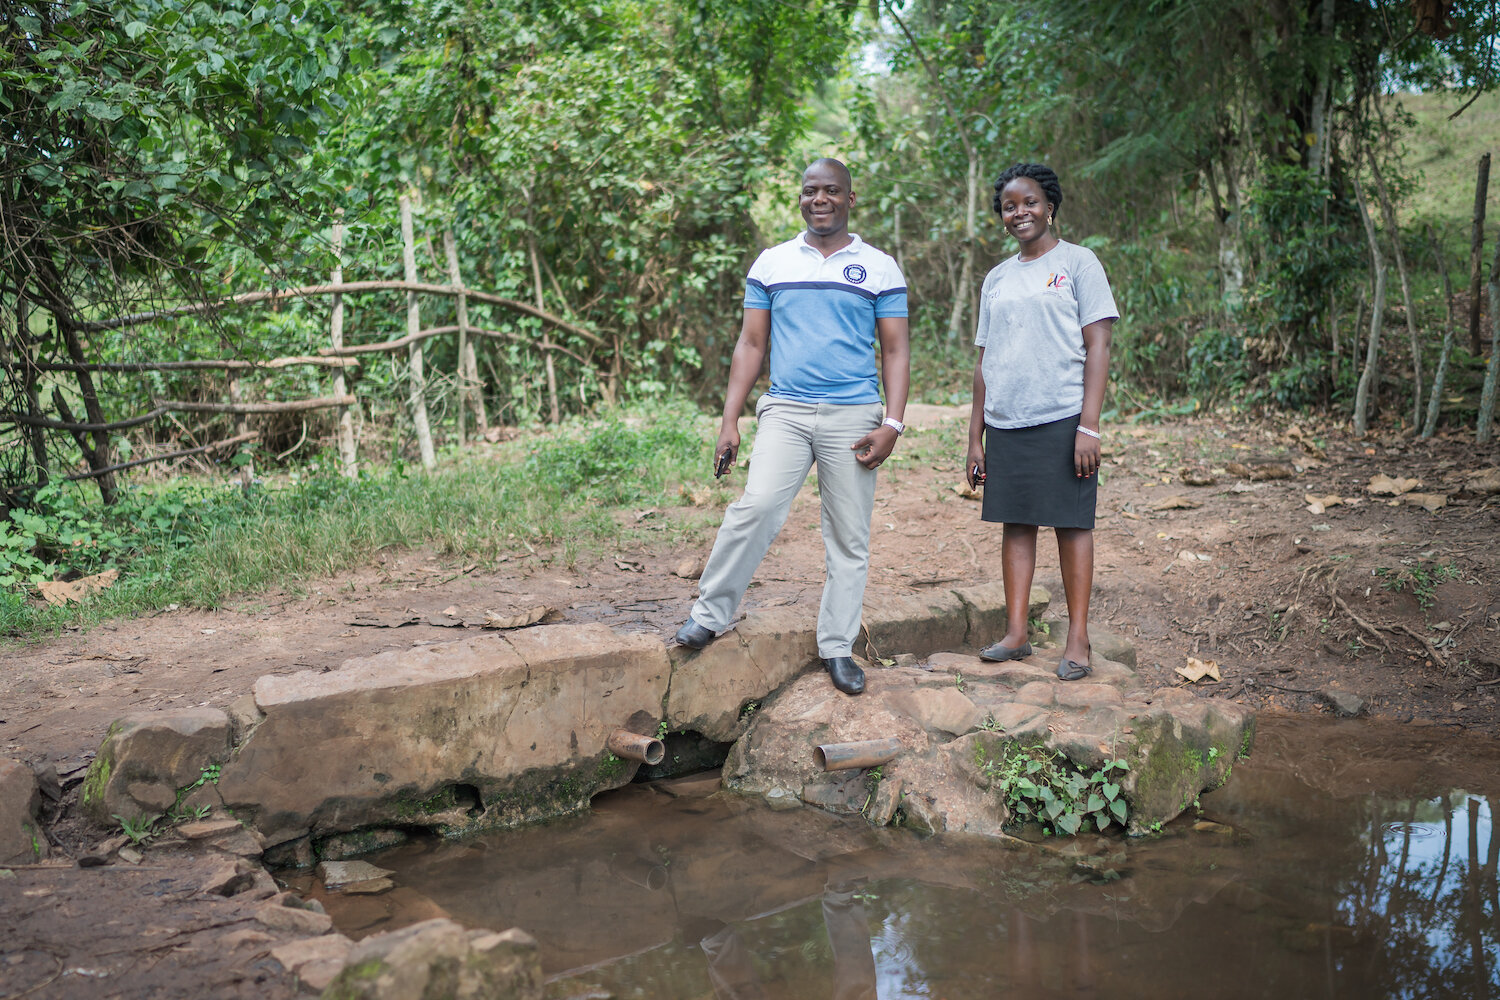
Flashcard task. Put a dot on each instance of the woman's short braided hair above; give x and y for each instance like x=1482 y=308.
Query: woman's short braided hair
x=1044 y=175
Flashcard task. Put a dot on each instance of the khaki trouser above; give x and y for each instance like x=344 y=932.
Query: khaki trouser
x=789 y=438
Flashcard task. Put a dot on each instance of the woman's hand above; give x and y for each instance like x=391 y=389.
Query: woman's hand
x=1085 y=454
x=975 y=460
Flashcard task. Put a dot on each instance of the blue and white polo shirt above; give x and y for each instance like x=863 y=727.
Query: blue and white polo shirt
x=823 y=313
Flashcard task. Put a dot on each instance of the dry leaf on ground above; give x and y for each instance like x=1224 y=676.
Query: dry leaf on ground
x=1263 y=471
x=1176 y=502
x=61 y=592
x=1486 y=481
x=1319 y=504
x=1196 y=476
x=1197 y=669
x=701 y=497
x=1384 y=486
x=628 y=566
x=1191 y=558
x=1427 y=501
x=534 y=616
x=962 y=489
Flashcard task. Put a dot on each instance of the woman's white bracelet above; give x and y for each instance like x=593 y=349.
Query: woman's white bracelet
x=1092 y=434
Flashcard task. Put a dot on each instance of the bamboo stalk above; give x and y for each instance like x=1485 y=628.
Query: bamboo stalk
x=415 y=374
x=348 y=456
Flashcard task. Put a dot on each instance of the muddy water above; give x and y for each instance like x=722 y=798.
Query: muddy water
x=1344 y=860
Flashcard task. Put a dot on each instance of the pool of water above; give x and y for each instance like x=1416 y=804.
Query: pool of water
x=1342 y=860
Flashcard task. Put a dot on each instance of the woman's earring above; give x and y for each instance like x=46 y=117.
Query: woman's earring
x=1049 y=221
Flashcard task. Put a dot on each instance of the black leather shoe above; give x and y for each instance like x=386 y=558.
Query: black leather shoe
x=695 y=636
x=847 y=676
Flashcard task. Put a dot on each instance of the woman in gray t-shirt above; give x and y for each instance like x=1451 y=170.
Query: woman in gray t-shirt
x=1045 y=317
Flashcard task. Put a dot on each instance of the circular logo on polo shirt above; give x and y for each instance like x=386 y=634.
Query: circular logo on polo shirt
x=854 y=273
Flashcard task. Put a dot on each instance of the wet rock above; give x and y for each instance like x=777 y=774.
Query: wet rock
x=349 y=845
x=340 y=873
x=1208 y=826
x=439 y=958
x=316 y=960
x=1175 y=744
x=484 y=732
x=21 y=839
x=369 y=887
x=294 y=853
x=1344 y=703
x=229 y=878
x=147 y=757
x=284 y=912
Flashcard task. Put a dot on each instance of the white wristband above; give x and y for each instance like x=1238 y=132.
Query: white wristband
x=895 y=425
x=1092 y=434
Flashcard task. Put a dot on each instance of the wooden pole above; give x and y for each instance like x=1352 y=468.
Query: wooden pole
x=348 y=456
x=1485 y=429
x=1369 y=379
x=470 y=389
x=415 y=374
x=1435 y=399
x=536 y=276
x=22 y=352
x=1476 y=252
x=242 y=433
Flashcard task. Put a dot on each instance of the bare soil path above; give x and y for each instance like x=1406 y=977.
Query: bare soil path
x=1283 y=568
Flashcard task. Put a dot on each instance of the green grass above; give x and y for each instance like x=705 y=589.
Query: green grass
x=554 y=495
x=1446 y=153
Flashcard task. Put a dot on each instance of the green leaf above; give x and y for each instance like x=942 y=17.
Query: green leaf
x=135 y=29
x=1096 y=802
x=1118 y=808
x=1069 y=824
x=1111 y=790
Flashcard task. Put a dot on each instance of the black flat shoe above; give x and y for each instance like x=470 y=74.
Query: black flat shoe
x=999 y=654
x=1072 y=670
x=695 y=636
x=847 y=676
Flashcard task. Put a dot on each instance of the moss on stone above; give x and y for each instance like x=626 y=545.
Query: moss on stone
x=350 y=983
x=99 y=773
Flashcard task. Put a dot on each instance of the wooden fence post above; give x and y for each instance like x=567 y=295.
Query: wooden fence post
x=1487 y=397
x=348 y=456
x=470 y=389
x=1476 y=252
x=414 y=351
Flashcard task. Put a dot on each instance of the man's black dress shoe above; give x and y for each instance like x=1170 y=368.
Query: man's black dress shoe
x=847 y=676
x=695 y=636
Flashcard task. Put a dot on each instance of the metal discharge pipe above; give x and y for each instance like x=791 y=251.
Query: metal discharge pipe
x=634 y=746
x=865 y=753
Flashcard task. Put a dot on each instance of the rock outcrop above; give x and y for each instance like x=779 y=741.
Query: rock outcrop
x=21 y=840
x=439 y=958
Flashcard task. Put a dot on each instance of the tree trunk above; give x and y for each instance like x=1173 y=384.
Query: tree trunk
x=348 y=457
x=966 y=271
x=1369 y=379
x=1323 y=98
x=97 y=452
x=1388 y=212
x=1476 y=252
x=416 y=374
x=1435 y=397
x=1487 y=398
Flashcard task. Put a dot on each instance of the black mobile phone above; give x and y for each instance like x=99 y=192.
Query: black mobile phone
x=976 y=478
x=722 y=465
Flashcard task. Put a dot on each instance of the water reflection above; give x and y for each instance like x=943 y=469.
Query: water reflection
x=1340 y=862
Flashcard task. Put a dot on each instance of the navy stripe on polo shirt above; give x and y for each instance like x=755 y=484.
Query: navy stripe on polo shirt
x=823 y=313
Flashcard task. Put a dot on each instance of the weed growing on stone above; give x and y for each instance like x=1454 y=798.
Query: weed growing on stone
x=140 y=829
x=1042 y=786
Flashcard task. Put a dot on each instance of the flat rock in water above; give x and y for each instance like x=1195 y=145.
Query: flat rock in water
x=341 y=873
x=1344 y=703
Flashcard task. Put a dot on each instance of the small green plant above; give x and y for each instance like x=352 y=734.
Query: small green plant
x=140 y=829
x=1041 y=785
x=1039 y=627
x=749 y=709
x=1419 y=577
x=661 y=730
x=958 y=680
x=207 y=775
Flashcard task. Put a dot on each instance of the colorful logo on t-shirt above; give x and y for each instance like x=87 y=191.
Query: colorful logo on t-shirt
x=854 y=273
x=1056 y=280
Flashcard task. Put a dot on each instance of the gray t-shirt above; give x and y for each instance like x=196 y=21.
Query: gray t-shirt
x=1031 y=319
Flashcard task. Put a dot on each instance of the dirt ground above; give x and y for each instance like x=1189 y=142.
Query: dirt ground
x=1284 y=568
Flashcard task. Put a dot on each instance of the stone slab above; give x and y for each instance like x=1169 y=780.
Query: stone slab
x=21 y=840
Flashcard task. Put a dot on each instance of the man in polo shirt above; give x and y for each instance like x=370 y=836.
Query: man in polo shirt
x=816 y=304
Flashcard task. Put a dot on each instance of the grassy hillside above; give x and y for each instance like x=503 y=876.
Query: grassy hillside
x=1446 y=154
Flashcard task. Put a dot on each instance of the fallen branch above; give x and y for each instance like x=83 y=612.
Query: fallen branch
x=411 y=338
x=211 y=446
x=226 y=364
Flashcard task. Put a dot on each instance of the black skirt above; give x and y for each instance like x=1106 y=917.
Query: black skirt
x=1030 y=477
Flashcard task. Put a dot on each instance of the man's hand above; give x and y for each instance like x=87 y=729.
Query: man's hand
x=875 y=447
x=727 y=445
